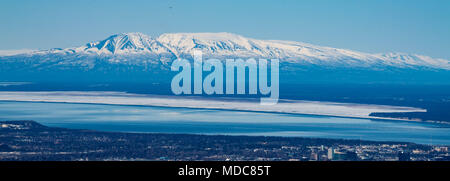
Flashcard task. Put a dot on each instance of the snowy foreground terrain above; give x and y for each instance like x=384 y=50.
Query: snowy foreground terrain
x=284 y=106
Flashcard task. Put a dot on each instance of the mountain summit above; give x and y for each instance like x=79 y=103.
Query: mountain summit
x=121 y=43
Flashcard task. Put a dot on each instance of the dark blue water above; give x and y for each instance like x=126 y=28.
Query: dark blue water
x=201 y=121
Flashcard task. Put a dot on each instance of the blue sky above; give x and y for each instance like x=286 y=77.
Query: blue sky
x=374 y=26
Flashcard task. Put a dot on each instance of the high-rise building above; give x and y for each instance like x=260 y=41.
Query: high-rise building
x=330 y=153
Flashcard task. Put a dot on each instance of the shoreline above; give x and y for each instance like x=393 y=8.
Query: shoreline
x=193 y=147
x=219 y=135
x=271 y=126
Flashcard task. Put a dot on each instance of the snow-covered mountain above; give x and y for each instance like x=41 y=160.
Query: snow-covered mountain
x=141 y=58
x=140 y=49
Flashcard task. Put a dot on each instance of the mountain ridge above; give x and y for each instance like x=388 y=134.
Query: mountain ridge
x=127 y=47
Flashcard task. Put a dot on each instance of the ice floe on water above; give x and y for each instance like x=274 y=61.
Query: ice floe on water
x=242 y=104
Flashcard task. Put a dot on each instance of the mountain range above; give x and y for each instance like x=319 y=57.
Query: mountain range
x=126 y=53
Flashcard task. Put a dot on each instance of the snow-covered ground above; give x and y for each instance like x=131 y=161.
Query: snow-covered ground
x=284 y=106
x=15 y=52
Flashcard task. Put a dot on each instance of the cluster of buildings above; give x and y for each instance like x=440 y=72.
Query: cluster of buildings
x=374 y=152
